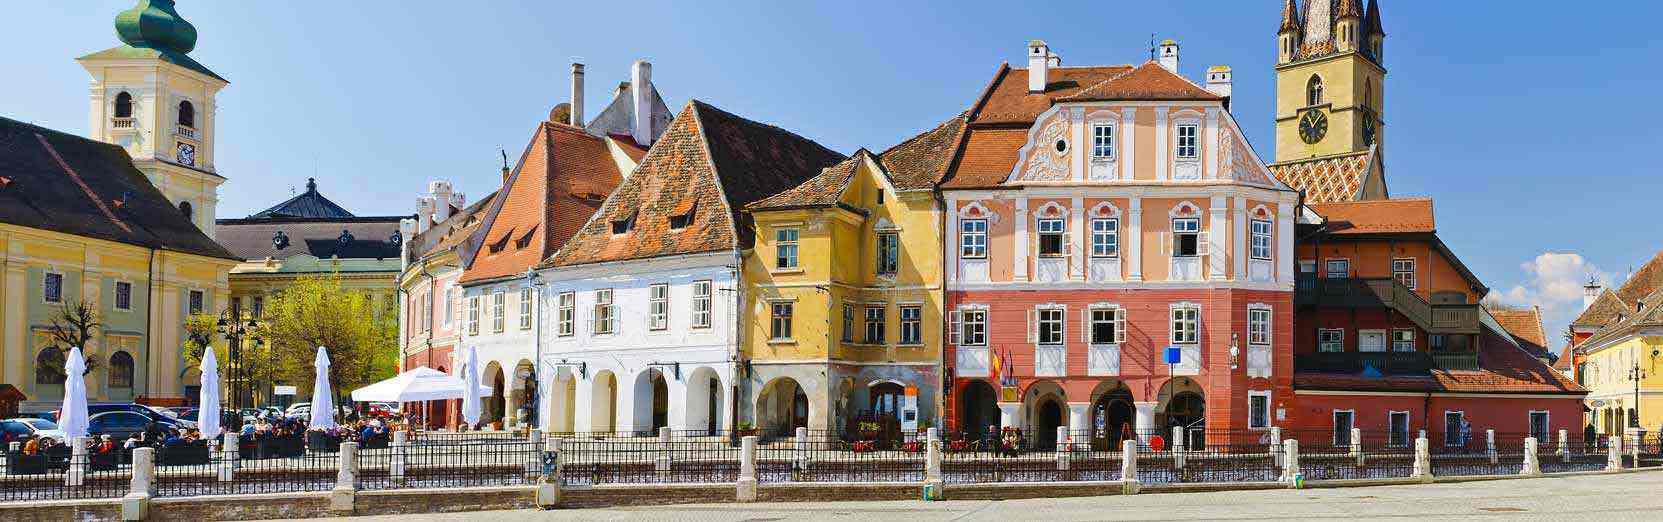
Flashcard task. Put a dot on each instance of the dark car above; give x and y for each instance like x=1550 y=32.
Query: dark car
x=139 y=409
x=117 y=424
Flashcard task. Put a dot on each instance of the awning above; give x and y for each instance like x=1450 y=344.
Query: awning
x=418 y=384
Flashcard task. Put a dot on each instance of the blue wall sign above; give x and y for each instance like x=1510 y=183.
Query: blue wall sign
x=1174 y=355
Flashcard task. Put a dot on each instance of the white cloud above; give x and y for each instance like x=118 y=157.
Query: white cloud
x=1553 y=281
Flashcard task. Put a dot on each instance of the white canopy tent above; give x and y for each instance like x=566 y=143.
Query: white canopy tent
x=415 y=385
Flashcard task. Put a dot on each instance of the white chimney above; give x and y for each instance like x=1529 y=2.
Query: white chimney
x=641 y=95
x=1591 y=291
x=424 y=212
x=1039 y=65
x=577 y=95
x=1218 y=82
x=1169 y=55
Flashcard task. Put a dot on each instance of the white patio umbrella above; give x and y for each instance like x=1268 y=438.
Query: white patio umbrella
x=470 y=393
x=416 y=385
x=72 y=416
x=207 y=417
x=323 y=402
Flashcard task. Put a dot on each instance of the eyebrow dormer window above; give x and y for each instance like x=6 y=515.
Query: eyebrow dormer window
x=680 y=220
x=623 y=226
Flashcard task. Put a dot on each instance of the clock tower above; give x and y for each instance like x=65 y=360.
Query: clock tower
x=150 y=97
x=1329 y=79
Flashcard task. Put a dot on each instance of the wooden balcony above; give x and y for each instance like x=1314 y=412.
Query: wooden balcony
x=1385 y=293
x=1385 y=363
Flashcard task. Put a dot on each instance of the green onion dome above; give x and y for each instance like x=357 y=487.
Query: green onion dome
x=156 y=25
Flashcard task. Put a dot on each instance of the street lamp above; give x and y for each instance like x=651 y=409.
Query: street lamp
x=234 y=329
x=1636 y=374
x=536 y=284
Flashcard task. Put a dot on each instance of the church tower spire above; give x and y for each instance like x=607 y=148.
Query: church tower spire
x=1287 y=36
x=1329 y=82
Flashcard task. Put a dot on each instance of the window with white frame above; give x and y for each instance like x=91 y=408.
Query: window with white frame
x=973 y=239
x=1186 y=319
x=605 y=318
x=1051 y=232
x=1336 y=268
x=889 y=253
x=123 y=296
x=1260 y=240
x=1330 y=340
x=498 y=309
x=874 y=324
x=1403 y=340
x=527 y=301
x=1105 y=237
x=52 y=287
x=701 y=304
x=848 y=323
x=424 y=312
x=196 y=298
x=785 y=248
x=1102 y=141
x=1258 y=409
x=1187 y=141
x=658 y=307
x=1108 y=325
x=1403 y=270
x=568 y=314
x=1258 y=326
x=1050 y=325
x=473 y=315
x=780 y=321
x=1397 y=429
x=912 y=325
x=973 y=327
x=1186 y=237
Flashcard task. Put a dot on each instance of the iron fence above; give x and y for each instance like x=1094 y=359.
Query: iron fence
x=1477 y=456
x=1575 y=454
x=1372 y=459
x=212 y=471
x=827 y=457
x=448 y=464
x=1218 y=463
x=639 y=460
x=50 y=476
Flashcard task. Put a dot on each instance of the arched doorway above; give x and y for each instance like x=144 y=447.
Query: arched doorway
x=1045 y=402
x=704 y=401
x=1112 y=418
x=782 y=407
x=496 y=403
x=660 y=401
x=603 y=407
x=523 y=393
x=1182 y=404
x=1047 y=420
x=978 y=410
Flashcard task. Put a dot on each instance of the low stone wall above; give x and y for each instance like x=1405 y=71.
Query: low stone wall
x=60 y=510
x=407 y=501
x=646 y=495
x=838 y=491
x=240 y=507
x=1020 y=490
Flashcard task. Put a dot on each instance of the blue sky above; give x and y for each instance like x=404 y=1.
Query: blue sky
x=1528 y=125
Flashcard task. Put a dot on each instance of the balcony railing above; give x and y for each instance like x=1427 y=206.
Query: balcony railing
x=1385 y=363
x=121 y=123
x=1310 y=290
x=185 y=131
x=1455 y=360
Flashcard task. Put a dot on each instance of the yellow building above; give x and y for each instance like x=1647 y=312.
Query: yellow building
x=844 y=288
x=1619 y=351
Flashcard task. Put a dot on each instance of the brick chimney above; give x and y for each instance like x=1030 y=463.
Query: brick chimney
x=641 y=97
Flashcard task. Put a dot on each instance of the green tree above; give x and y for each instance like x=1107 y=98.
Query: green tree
x=359 y=332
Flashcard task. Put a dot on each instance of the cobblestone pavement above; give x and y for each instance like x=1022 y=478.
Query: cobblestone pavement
x=1605 y=498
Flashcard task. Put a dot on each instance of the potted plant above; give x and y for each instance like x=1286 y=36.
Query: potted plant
x=863 y=446
x=746 y=429
x=912 y=446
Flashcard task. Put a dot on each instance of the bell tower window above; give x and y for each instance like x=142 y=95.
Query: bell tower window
x=187 y=114
x=1313 y=91
x=124 y=105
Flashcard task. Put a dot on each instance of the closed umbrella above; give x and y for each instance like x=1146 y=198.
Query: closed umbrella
x=207 y=418
x=72 y=416
x=323 y=402
x=470 y=392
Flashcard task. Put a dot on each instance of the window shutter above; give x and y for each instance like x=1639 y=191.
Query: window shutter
x=955 y=327
x=1033 y=326
x=1119 y=325
x=1202 y=247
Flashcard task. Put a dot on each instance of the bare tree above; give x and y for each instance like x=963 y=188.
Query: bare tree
x=75 y=324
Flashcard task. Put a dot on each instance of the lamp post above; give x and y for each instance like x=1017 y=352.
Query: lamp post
x=536 y=284
x=1636 y=374
x=232 y=326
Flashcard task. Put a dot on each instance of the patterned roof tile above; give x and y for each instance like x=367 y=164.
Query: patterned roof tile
x=1327 y=179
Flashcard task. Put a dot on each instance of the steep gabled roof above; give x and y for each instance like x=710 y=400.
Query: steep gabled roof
x=708 y=166
x=822 y=190
x=1605 y=309
x=1643 y=282
x=310 y=205
x=920 y=162
x=1350 y=176
x=1525 y=325
x=60 y=182
x=1007 y=100
x=1149 y=81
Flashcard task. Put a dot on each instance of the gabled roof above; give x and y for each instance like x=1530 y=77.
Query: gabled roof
x=1379 y=216
x=1007 y=100
x=1647 y=313
x=1566 y=360
x=1351 y=176
x=823 y=190
x=60 y=182
x=710 y=164
x=1605 y=309
x=1525 y=325
x=1643 y=282
x=559 y=181
x=920 y=162
x=1149 y=81
x=310 y=204
x=323 y=238
x=618 y=117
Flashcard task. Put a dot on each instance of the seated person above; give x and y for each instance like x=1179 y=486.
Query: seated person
x=105 y=444
x=32 y=446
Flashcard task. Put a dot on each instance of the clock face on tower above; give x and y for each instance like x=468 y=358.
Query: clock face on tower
x=187 y=154
x=1313 y=126
x=1368 y=129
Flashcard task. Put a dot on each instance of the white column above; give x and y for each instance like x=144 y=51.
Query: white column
x=1284 y=242
x=1145 y=422
x=952 y=240
x=1211 y=146
x=1423 y=459
x=1019 y=251
x=1532 y=463
x=583 y=419
x=1161 y=152
x=77 y=472
x=1218 y=233
x=1290 y=459
x=1128 y=142
x=1134 y=241
x=1129 y=465
x=401 y=446
x=1081 y=250
x=1239 y=240
x=1077 y=126
x=747 y=469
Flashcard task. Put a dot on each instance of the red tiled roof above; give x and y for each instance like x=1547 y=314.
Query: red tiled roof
x=1149 y=81
x=722 y=161
x=1290 y=17
x=1328 y=179
x=986 y=159
x=1525 y=324
x=1007 y=99
x=1378 y=216
x=1605 y=309
x=1567 y=359
x=550 y=194
x=819 y=191
x=1643 y=282
x=921 y=161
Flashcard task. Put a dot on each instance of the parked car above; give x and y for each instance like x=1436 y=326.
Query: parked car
x=24 y=427
x=154 y=414
x=117 y=424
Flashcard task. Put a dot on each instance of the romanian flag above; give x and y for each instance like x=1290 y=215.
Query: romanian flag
x=995 y=365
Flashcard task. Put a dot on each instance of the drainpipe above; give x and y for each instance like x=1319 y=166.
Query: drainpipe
x=738 y=340
x=149 y=318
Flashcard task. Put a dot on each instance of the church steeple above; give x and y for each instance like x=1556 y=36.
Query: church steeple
x=1330 y=84
x=154 y=24
x=1287 y=36
x=1348 y=26
x=1375 y=35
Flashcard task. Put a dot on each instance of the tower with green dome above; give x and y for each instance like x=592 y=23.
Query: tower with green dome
x=152 y=98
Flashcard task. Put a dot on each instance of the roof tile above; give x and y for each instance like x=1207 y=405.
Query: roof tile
x=1379 y=216
x=1327 y=179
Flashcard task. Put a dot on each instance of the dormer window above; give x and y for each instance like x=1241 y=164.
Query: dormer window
x=124 y=105
x=501 y=242
x=681 y=220
x=187 y=114
x=623 y=226
x=525 y=239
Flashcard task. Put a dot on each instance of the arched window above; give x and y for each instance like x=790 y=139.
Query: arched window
x=185 y=208
x=49 y=366
x=1368 y=94
x=123 y=105
x=121 y=370
x=187 y=114
x=1313 y=91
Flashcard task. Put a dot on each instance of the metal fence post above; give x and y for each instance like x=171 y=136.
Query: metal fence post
x=1613 y=453
x=77 y=472
x=1490 y=445
x=1564 y=446
x=136 y=505
x=1357 y=445
x=1532 y=465
x=1290 y=460
x=228 y=457
x=1276 y=444
x=1129 y=466
x=662 y=463
x=395 y=466
x=1423 y=459
x=346 y=479
x=1062 y=448
x=1177 y=447
x=747 y=469
x=548 y=486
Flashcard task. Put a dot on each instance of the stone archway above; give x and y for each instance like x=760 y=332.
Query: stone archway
x=603 y=406
x=978 y=409
x=496 y=403
x=1182 y=403
x=1047 y=409
x=522 y=394
x=1113 y=417
x=651 y=394
x=782 y=407
x=704 y=402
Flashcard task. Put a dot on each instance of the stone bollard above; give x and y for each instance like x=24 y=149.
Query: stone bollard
x=1633 y=445
x=1276 y=444
x=1490 y=446
x=1357 y=445
x=1290 y=461
x=1564 y=446
x=1129 y=466
x=228 y=459
x=799 y=453
x=747 y=469
x=1062 y=448
x=77 y=472
x=548 y=485
x=346 y=479
x=1532 y=465
x=136 y=505
x=1613 y=453
x=662 y=463
x=1423 y=459
x=401 y=448
x=933 y=481
x=1177 y=447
